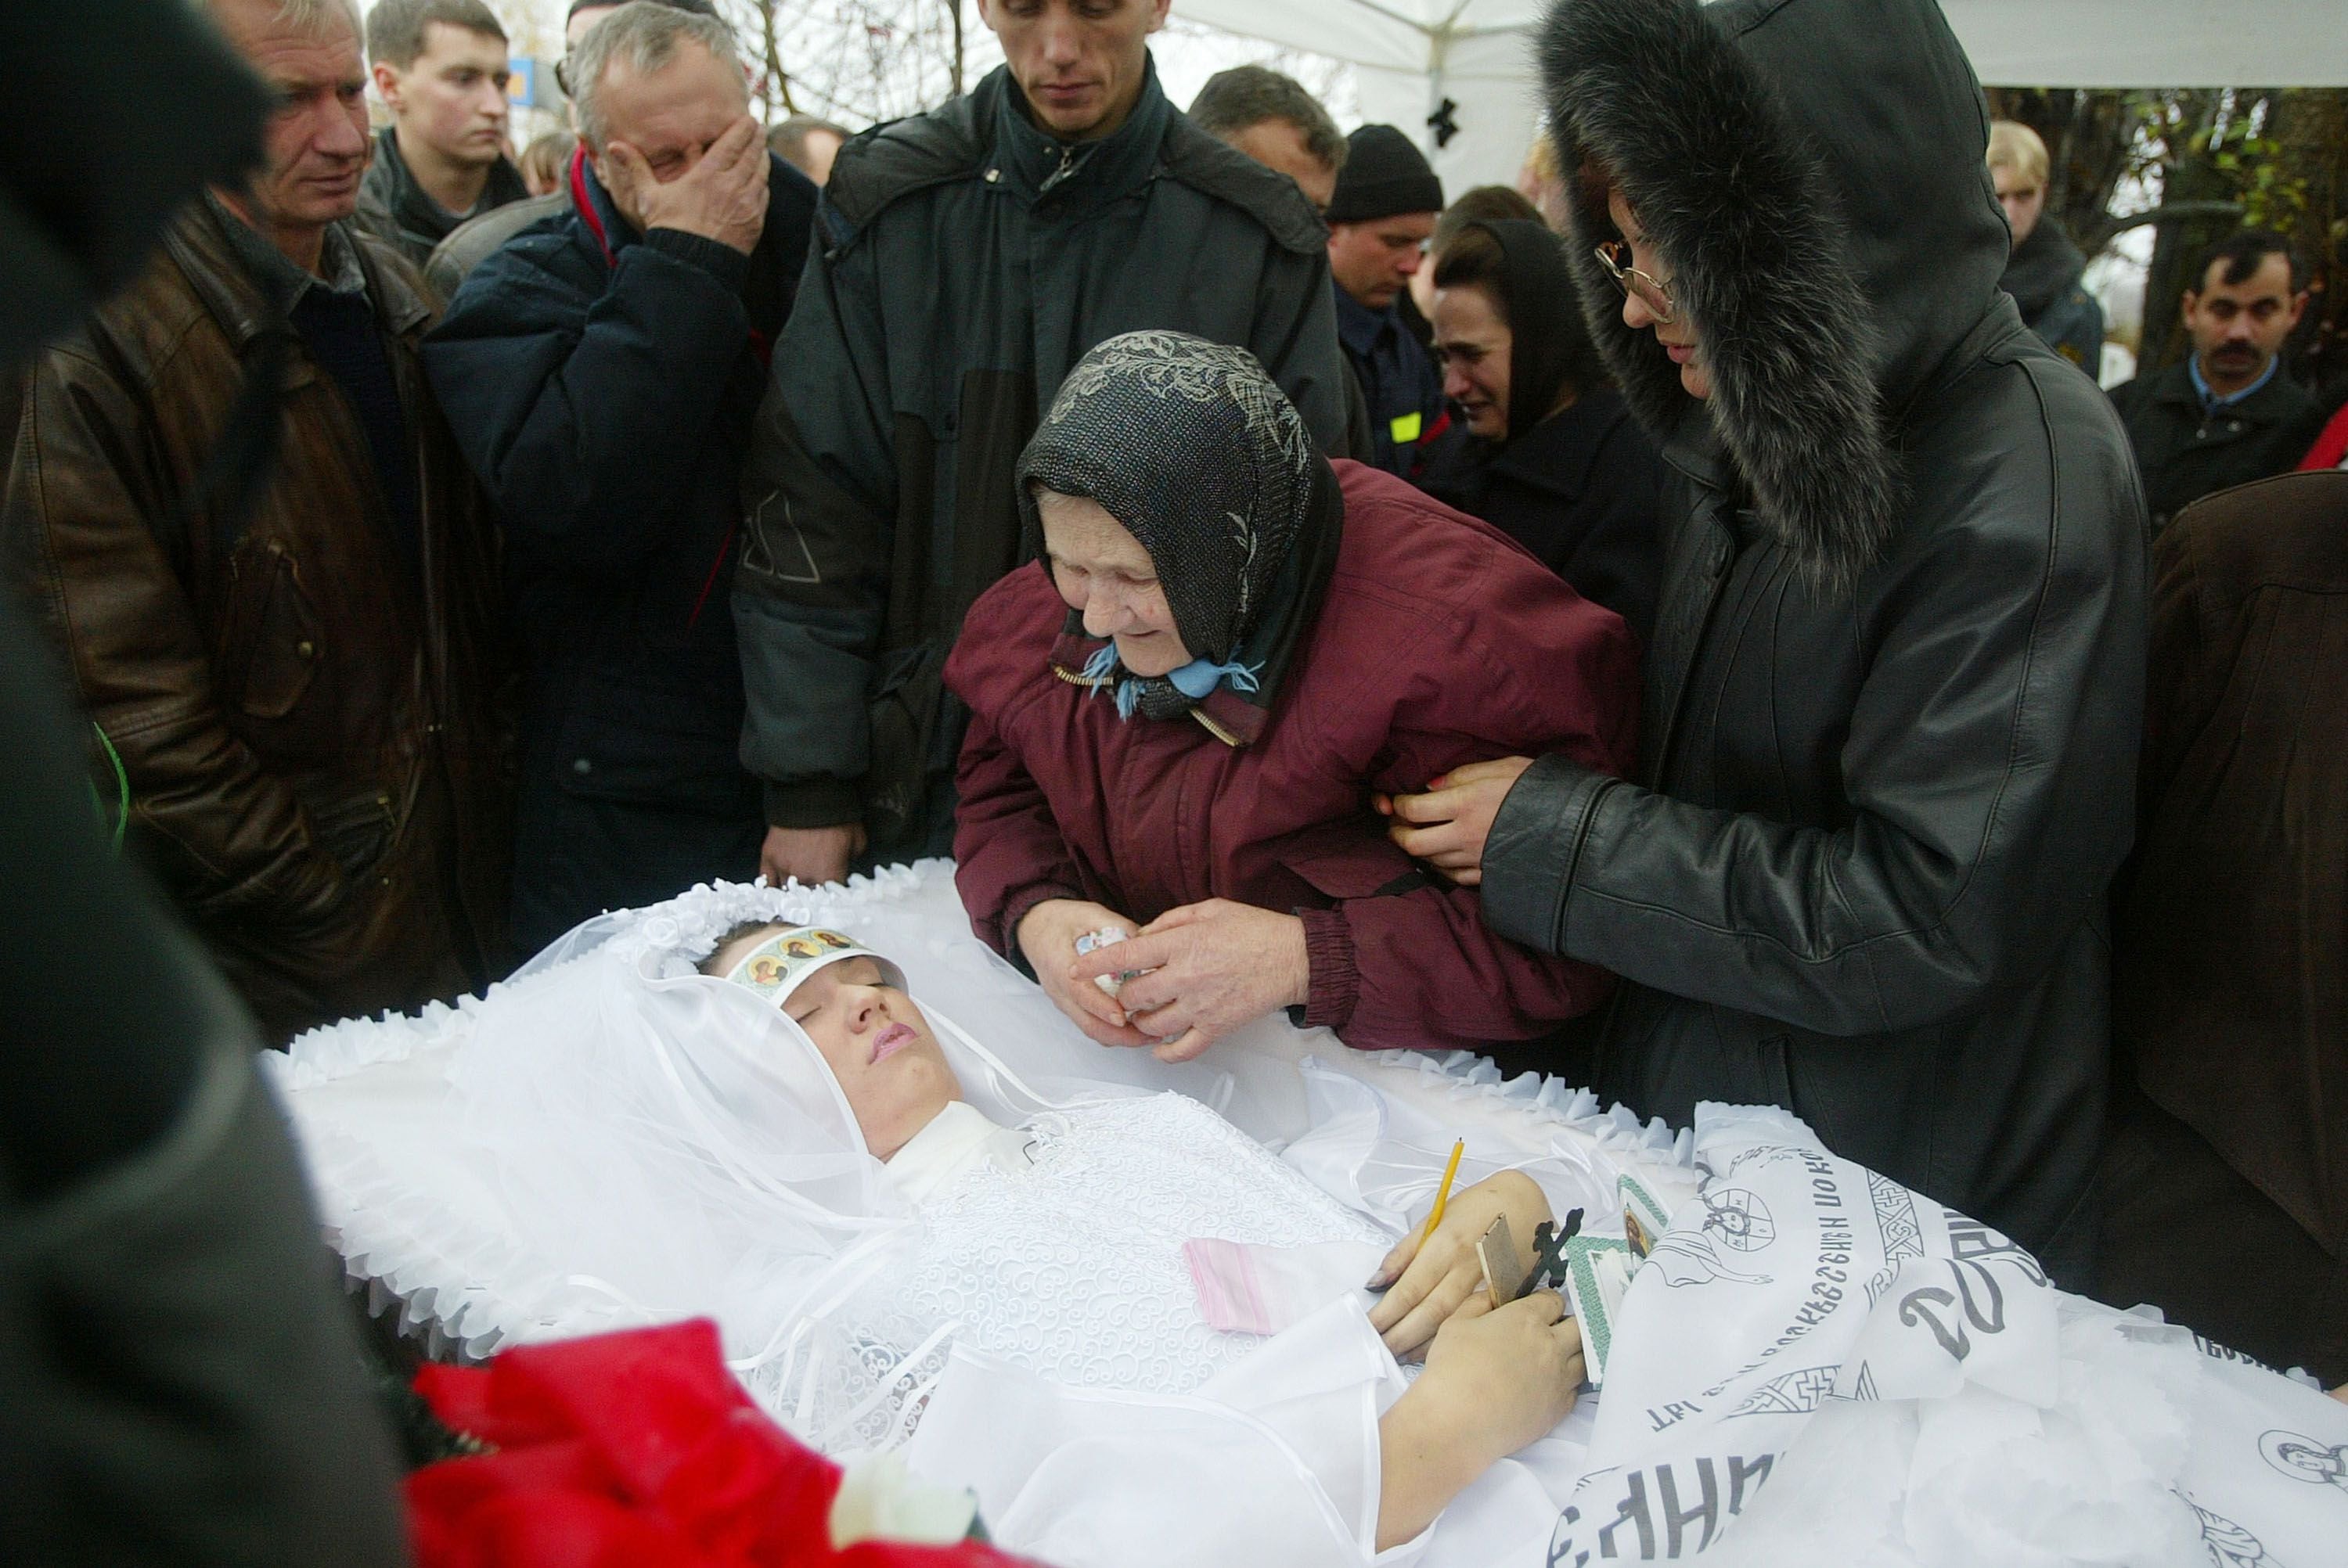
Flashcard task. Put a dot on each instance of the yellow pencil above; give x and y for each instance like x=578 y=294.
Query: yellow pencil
x=1443 y=1192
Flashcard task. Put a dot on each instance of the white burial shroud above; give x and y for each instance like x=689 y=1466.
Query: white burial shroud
x=1819 y=1366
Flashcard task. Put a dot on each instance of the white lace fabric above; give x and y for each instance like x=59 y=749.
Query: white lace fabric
x=1072 y=1268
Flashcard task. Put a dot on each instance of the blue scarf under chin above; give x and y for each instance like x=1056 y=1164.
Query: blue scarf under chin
x=1194 y=680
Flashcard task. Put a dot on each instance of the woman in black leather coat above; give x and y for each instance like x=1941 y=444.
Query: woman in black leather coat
x=1894 y=694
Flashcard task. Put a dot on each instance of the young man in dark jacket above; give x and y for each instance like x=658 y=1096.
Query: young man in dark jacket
x=440 y=66
x=1896 y=685
x=2229 y=413
x=602 y=372
x=969 y=257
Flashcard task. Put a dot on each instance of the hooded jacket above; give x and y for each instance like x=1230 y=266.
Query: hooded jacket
x=965 y=261
x=2044 y=275
x=1895 y=690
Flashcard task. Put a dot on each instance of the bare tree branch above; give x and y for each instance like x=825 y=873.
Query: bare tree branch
x=2174 y=212
x=778 y=81
x=954 y=9
x=856 y=61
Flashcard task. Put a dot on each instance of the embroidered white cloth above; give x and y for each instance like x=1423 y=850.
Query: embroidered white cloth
x=1818 y=1365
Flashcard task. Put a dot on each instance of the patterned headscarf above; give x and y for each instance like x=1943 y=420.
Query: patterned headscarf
x=1203 y=459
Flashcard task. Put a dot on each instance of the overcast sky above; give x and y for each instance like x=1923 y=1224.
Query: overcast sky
x=1187 y=53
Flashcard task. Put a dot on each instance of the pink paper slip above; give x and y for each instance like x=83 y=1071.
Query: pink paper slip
x=1248 y=1289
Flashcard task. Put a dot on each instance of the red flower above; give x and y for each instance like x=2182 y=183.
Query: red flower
x=636 y=1450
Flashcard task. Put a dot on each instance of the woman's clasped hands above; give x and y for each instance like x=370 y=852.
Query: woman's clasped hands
x=1196 y=973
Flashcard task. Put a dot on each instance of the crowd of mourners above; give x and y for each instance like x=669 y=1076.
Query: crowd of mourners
x=1691 y=625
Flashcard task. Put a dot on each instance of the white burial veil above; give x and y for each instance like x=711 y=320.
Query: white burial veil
x=674 y=1144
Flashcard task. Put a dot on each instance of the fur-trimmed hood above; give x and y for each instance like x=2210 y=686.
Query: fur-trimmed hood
x=1811 y=172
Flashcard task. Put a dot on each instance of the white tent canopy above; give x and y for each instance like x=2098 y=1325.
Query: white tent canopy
x=1411 y=55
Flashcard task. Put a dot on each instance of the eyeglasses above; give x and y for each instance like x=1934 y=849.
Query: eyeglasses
x=1652 y=293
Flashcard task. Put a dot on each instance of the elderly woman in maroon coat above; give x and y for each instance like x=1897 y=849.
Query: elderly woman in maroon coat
x=1185 y=719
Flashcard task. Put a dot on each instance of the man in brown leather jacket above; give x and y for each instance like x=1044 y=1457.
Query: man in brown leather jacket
x=300 y=683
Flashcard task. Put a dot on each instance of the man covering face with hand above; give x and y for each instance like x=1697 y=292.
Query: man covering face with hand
x=602 y=372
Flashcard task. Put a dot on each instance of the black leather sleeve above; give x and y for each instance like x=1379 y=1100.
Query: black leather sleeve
x=1529 y=859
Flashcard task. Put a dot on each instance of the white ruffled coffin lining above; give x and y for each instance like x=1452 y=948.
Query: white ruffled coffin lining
x=1915 y=1396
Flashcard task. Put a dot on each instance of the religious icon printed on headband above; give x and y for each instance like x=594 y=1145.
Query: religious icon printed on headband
x=775 y=966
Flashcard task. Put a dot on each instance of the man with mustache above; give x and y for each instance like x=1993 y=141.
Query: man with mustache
x=299 y=676
x=2229 y=414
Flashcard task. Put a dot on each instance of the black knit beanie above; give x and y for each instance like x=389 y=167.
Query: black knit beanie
x=1384 y=173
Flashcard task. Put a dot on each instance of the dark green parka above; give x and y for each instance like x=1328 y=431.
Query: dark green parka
x=964 y=261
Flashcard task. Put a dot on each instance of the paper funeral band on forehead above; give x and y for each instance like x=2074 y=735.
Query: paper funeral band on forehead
x=778 y=965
